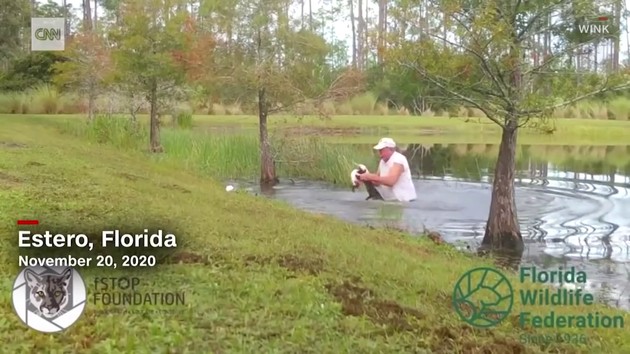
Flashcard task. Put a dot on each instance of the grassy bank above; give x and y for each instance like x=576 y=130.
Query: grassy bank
x=259 y=276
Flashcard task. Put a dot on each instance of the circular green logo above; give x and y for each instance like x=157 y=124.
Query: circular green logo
x=483 y=297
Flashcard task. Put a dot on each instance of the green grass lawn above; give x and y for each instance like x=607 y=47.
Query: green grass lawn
x=408 y=129
x=434 y=130
x=391 y=121
x=259 y=276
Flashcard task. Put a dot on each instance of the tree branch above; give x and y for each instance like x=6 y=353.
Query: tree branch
x=576 y=99
x=484 y=65
x=539 y=13
x=500 y=82
x=456 y=94
x=515 y=13
x=551 y=59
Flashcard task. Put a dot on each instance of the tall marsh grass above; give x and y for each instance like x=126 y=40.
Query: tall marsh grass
x=117 y=131
x=43 y=99
x=237 y=156
x=46 y=99
x=14 y=103
x=229 y=155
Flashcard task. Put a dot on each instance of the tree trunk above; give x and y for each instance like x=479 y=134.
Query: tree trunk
x=502 y=229
x=360 y=34
x=382 y=30
x=87 y=15
x=616 y=40
x=66 y=23
x=267 y=190
x=354 y=34
x=91 y=100
x=95 y=13
x=310 y=14
x=155 y=122
x=267 y=165
x=366 y=35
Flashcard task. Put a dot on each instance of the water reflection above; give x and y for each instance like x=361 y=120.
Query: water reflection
x=573 y=205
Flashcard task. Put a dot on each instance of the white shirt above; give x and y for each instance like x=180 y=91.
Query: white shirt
x=403 y=190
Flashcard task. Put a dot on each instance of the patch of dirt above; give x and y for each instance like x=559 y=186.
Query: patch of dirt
x=185 y=257
x=498 y=345
x=312 y=266
x=450 y=333
x=469 y=339
x=467 y=310
x=8 y=180
x=34 y=163
x=129 y=176
x=256 y=260
x=176 y=187
x=436 y=238
x=297 y=264
x=359 y=301
x=156 y=149
x=515 y=321
x=9 y=145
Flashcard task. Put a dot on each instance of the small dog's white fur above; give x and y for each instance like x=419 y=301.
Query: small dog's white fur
x=361 y=169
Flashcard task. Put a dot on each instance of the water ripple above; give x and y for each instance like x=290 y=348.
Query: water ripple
x=566 y=219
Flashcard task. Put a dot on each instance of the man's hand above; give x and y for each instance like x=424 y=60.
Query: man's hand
x=368 y=177
x=389 y=180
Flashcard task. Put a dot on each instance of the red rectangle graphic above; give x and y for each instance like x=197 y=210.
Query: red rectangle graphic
x=28 y=222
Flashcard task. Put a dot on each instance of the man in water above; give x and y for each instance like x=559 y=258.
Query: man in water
x=393 y=177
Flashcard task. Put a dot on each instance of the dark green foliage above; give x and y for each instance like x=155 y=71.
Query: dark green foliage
x=30 y=70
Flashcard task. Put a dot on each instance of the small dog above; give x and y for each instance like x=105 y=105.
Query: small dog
x=354 y=175
x=369 y=187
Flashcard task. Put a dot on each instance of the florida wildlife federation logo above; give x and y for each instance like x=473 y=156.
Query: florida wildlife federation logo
x=483 y=297
x=49 y=299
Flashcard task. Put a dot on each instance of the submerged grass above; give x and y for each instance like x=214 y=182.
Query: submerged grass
x=258 y=275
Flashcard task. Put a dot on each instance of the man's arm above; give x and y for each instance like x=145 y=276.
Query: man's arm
x=378 y=173
x=394 y=174
x=371 y=177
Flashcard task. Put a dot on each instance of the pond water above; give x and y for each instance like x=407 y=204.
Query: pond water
x=573 y=205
